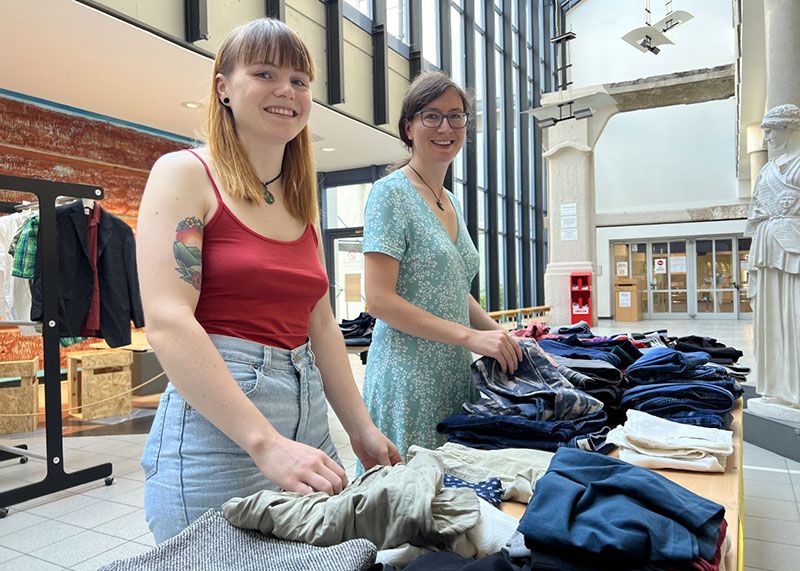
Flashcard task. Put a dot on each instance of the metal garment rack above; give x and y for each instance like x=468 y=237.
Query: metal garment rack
x=57 y=478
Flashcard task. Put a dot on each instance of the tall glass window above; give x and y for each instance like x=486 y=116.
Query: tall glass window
x=430 y=34
x=397 y=21
x=363 y=6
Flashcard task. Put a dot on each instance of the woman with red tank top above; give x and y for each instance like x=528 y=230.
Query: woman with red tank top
x=234 y=292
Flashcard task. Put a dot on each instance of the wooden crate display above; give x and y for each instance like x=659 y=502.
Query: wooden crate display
x=19 y=397
x=95 y=377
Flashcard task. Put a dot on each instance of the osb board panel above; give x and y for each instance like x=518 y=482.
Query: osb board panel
x=101 y=387
x=106 y=359
x=25 y=368
x=18 y=400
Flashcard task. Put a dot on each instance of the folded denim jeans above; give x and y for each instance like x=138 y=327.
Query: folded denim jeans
x=671 y=398
x=659 y=363
x=488 y=432
x=561 y=348
x=702 y=418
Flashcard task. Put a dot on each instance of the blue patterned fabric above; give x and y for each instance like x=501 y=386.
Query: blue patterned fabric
x=490 y=490
x=410 y=382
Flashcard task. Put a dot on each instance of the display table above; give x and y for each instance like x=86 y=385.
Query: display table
x=725 y=489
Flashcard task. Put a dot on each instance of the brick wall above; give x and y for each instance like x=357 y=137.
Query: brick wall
x=39 y=142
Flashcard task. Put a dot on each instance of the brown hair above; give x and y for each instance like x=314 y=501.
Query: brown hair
x=426 y=88
x=268 y=41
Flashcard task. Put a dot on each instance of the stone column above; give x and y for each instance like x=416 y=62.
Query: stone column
x=570 y=183
x=782 y=21
x=757 y=152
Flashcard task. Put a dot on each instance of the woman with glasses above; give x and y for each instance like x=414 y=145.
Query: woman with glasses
x=420 y=263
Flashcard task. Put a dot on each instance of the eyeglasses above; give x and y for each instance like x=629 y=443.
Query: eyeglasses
x=433 y=119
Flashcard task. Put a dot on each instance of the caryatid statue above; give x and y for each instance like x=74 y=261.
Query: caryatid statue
x=774 y=261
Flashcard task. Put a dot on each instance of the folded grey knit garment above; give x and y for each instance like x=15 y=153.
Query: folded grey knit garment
x=212 y=544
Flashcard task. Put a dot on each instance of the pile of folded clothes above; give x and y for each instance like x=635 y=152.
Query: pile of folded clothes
x=536 y=407
x=651 y=442
x=618 y=351
x=718 y=352
x=358 y=331
x=682 y=387
x=590 y=511
x=600 y=379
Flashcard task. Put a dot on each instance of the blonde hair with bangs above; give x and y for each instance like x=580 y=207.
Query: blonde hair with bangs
x=262 y=41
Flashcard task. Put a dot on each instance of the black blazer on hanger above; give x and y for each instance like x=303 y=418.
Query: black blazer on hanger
x=120 y=301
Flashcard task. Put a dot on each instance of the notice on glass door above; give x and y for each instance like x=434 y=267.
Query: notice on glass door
x=677 y=264
x=660 y=266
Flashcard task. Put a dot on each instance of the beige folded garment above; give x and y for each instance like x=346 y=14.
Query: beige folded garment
x=388 y=505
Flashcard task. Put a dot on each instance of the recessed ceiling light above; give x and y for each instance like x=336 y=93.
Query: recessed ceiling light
x=192 y=104
x=328 y=149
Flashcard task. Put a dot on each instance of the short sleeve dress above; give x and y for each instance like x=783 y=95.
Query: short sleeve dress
x=412 y=383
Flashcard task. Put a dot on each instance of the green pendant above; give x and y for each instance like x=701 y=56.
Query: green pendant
x=269 y=198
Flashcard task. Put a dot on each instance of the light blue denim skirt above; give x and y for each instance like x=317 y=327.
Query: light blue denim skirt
x=190 y=466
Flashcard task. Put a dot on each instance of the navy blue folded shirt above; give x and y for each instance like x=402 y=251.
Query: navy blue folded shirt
x=600 y=506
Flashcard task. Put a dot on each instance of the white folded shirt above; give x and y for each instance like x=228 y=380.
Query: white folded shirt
x=653 y=442
x=708 y=463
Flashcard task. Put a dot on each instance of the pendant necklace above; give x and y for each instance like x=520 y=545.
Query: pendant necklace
x=269 y=198
x=438 y=198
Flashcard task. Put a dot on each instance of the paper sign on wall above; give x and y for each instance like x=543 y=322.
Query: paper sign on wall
x=352 y=287
x=622 y=269
x=569 y=234
x=660 y=266
x=624 y=299
x=570 y=209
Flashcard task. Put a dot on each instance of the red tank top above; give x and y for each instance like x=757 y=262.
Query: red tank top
x=254 y=287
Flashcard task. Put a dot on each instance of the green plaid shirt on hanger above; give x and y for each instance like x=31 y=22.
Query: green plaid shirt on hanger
x=25 y=254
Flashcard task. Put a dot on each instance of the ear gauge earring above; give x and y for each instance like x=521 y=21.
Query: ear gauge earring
x=226 y=100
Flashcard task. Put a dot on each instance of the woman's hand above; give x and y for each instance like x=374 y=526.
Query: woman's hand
x=373 y=448
x=297 y=467
x=496 y=343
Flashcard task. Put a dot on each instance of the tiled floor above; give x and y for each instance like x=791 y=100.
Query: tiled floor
x=85 y=527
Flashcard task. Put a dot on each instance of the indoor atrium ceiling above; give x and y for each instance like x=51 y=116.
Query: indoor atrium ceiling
x=65 y=52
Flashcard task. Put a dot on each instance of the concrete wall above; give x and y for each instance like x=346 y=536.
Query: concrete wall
x=166 y=15
x=307 y=17
x=654 y=159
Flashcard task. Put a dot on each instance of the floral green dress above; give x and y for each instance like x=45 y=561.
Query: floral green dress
x=412 y=383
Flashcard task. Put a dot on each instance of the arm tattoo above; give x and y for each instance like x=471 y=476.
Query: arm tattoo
x=187 y=250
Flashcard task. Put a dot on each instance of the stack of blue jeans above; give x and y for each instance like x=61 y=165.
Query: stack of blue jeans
x=536 y=407
x=619 y=352
x=682 y=387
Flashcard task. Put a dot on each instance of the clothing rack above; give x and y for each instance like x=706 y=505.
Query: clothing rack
x=57 y=478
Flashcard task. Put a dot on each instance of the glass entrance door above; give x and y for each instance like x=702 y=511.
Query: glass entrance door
x=669 y=281
x=345 y=261
x=706 y=278
x=722 y=277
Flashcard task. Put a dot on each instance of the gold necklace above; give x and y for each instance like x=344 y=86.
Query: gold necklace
x=438 y=198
